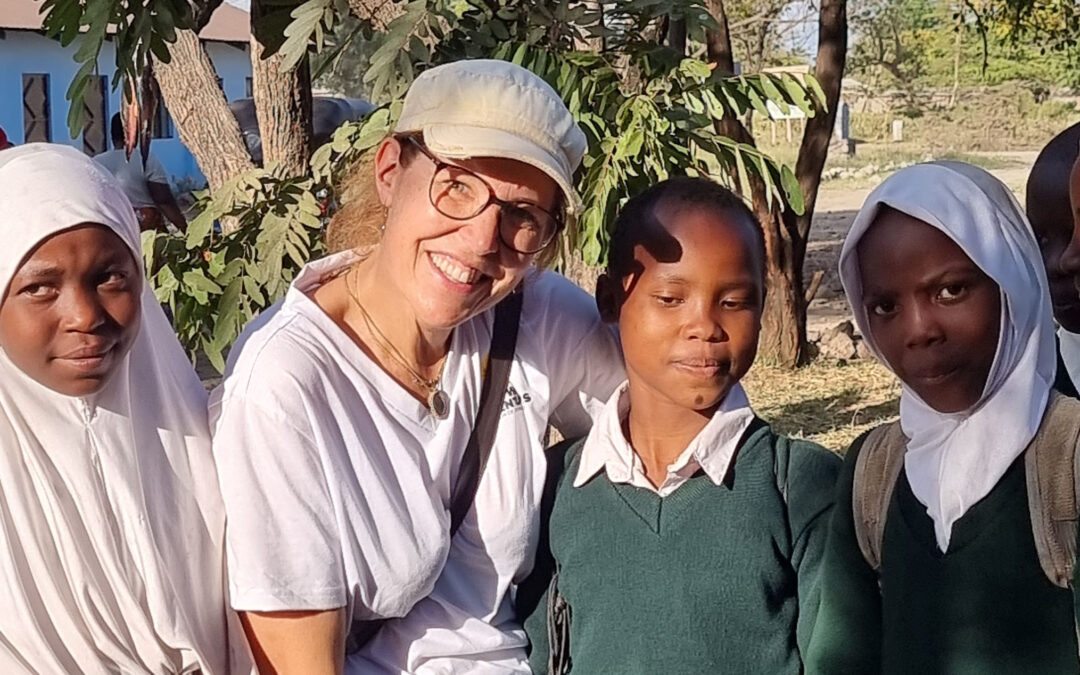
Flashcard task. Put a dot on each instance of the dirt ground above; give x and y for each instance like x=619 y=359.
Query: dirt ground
x=836 y=209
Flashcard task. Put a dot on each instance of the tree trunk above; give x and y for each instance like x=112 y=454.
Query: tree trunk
x=829 y=71
x=676 y=36
x=956 y=59
x=282 y=103
x=783 y=334
x=718 y=41
x=189 y=85
x=814 y=150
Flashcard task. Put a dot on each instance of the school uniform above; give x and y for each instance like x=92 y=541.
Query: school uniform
x=983 y=607
x=714 y=571
x=960 y=588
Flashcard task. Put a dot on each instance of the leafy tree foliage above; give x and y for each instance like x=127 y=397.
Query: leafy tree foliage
x=648 y=110
x=913 y=44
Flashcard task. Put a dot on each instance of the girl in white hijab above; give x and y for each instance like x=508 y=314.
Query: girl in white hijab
x=946 y=284
x=111 y=524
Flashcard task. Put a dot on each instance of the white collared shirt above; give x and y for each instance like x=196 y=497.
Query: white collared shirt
x=711 y=451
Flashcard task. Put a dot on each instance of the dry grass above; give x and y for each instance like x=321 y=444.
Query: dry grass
x=826 y=402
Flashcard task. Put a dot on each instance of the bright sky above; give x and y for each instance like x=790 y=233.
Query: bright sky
x=242 y=4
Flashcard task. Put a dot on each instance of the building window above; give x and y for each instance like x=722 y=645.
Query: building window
x=249 y=87
x=36 y=108
x=96 y=116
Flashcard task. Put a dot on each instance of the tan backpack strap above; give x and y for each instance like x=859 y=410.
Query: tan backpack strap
x=1051 y=472
x=876 y=470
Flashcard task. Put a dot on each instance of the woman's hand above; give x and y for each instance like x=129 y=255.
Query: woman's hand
x=297 y=643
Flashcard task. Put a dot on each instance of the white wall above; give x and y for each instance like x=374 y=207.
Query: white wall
x=27 y=52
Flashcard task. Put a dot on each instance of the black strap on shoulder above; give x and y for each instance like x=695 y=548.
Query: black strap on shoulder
x=531 y=590
x=478 y=449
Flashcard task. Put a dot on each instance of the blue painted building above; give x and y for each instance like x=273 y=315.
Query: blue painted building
x=35 y=72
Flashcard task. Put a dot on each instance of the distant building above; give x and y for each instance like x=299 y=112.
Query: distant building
x=37 y=71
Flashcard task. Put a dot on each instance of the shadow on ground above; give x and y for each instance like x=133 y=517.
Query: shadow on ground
x=845 y=411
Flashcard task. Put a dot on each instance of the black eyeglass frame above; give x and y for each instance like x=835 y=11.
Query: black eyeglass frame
x=492 y=199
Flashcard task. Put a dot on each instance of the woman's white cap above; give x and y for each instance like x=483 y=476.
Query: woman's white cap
x=487 y=108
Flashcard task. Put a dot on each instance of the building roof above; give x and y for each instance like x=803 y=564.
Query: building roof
x=227 y=24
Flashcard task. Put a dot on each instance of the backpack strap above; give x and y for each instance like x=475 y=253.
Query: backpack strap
x=492 y=392
x=876 y=471
x=781 y=463
x=1051 y=472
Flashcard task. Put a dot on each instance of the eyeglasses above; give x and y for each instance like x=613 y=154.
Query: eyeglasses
x=460 y=194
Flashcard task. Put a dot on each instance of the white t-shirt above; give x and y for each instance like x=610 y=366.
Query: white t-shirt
x=337 y=482
x=133 y=175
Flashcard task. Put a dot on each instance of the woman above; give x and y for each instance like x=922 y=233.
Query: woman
x=938 y=559
x=342 y=422
x=111 y=526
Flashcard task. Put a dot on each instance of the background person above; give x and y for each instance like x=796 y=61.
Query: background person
x=146 y=185
x=1051 y=219
x=336 y=461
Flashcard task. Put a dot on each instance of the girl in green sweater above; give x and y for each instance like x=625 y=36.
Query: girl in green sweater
x=686 y=534
x=943 y=575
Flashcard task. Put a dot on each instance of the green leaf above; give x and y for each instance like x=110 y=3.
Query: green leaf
x=217 y=264
x=774 y=94
x=199 y=229
x=165 y=283
x=214 y=355
x=196 y=281
x=695 y=68
x=819 y=93
x=520 y=54
x=148 y=239
x=306 y=18
x=253 y=290
x=744 y=177
x=766 y=177
x=792 y=192
x=227 y=324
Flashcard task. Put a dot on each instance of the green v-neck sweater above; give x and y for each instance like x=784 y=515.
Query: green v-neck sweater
x=985 y=607
x=710 y=579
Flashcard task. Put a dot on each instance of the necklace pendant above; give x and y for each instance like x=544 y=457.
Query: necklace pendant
x=438 y=404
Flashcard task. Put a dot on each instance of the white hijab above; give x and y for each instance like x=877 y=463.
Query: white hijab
x=111 y=525
x=954 y=460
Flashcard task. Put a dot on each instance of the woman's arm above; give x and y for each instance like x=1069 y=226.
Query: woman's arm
x=297 y=643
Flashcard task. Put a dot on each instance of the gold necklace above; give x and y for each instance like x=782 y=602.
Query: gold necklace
x=438 y=402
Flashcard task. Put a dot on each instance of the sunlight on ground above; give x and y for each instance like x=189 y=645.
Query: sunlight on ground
x=827 y=402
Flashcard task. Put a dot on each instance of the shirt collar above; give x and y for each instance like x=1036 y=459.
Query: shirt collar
x=713 y=448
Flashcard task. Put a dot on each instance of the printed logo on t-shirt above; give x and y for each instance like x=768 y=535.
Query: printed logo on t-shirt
x=514 y=400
